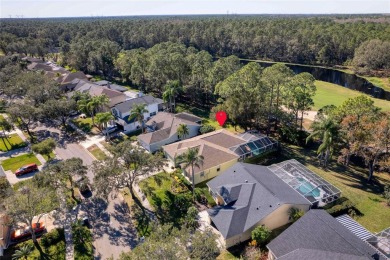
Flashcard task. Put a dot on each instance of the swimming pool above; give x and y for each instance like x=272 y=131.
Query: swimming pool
x=306 y=187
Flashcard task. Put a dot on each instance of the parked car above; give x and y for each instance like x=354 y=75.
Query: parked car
x=109 y=130
x=23 y=233
x=26 y=169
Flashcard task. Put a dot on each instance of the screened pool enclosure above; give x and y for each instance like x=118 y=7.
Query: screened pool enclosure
x=317 y=190
x=256 y=144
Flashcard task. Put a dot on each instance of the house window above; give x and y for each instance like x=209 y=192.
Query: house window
x=202 y=174
x=153 y=114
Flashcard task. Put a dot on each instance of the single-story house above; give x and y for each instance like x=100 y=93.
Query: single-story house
x=162 y=129
x=4 y=233
x=317 y=235
x=249 y=195
x=122 y=111
x=220 y=149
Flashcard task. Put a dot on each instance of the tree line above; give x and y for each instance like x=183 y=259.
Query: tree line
x=295 y=39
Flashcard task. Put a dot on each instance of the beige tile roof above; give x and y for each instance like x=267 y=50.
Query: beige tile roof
x=213 y=146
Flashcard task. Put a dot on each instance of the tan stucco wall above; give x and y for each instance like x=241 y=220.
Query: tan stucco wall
x=276 y=219
x=212 y=172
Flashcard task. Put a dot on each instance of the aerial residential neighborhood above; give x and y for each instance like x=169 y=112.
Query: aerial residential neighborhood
x=224 y=136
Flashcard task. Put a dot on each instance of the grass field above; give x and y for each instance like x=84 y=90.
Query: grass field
x=85 y=124
x=14 y=142
x=332 y=94
x=97 y=152
x=15 y=163
x=352 y=181
x=52 y=156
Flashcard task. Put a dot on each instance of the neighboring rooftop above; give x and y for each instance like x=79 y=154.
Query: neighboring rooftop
x=219 y=142
x=164 y=125
x=317 y=235
x=72 y=76
x=250 y=193
x=381 y=241
x=127 y=105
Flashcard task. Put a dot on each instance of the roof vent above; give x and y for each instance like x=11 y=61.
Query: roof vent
x=234 y=171
x=270 y=206
x=257 y=208
x=246 y=181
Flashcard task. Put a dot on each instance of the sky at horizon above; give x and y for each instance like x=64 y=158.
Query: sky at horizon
x=87 y=8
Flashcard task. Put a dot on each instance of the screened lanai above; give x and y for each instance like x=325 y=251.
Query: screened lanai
x=256 y=144
x=317 y=190
x=381 y=241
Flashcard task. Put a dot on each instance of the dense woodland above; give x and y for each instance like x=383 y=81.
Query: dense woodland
x=324 y=40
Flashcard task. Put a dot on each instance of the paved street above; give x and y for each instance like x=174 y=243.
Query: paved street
x=70 y=150
x=112 y=227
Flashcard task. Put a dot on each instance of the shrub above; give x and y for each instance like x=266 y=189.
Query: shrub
x=295 y=214
x=340 y=207
x=53 y=237
x=261 y=234
x=206 y=129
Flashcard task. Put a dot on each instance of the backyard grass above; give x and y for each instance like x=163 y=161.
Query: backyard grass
x=97 y=152
x=14 y=142
x=15 y=163
x=155 y=187
x=352 y=181
x=332 y=94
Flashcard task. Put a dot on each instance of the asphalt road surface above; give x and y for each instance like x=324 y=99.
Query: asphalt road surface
x=74 y=150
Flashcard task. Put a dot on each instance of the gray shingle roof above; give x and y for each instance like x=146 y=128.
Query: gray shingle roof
x=260 y=194
x=126 y=106
x=319 y=234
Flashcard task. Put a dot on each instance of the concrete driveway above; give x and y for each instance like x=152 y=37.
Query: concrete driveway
x=12 y=178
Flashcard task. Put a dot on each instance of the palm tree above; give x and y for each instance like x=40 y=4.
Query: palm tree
x=100 y=102
x=23 y=252
x=86 y=104
x=171 y=89
x=328 y=131
x=182 y=131
x=103 y=118
x=137 y=112
x=191 y=158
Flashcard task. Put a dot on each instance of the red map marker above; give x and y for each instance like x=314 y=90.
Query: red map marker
x=221 y=117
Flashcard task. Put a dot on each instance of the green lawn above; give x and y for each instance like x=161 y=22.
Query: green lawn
x=97 y=152
x=86 y=125
x=52 y=156
x=155 y=186
x=15 y=163
x=332 y=94
x=352 y=181
x=14 y=142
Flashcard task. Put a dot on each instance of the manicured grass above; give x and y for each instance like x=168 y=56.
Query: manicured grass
x=14 y=140
x=1 y=119
x=97 y=152
x=52 y=156
x=332 y=94
x=15 y=163
x=86 y=125
x=352 y=181
x=155 y=186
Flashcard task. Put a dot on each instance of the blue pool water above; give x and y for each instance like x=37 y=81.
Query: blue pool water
x=307 y=187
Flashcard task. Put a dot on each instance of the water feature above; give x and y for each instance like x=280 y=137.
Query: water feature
x=350 y=81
